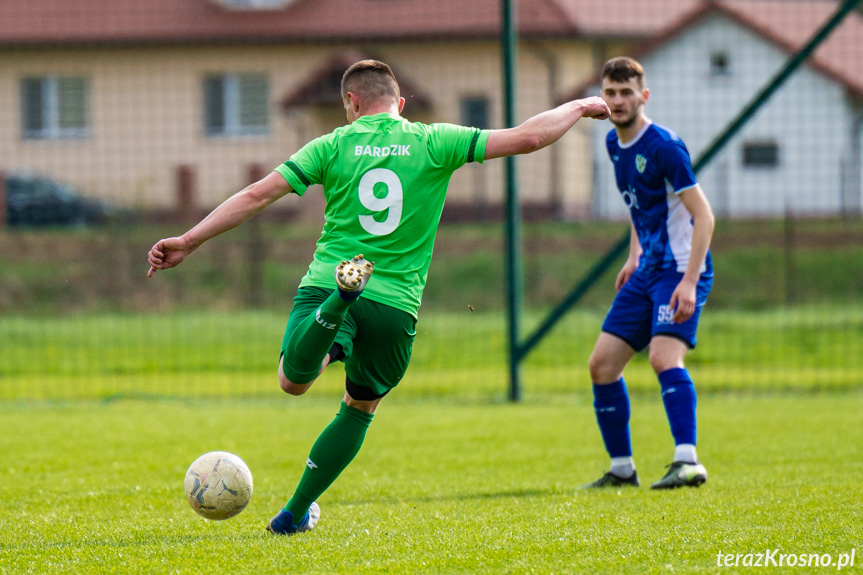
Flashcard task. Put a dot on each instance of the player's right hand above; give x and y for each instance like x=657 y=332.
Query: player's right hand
x=596 y=108
x=166 y=253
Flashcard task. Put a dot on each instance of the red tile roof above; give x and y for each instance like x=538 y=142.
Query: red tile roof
x=791 y=24
x=21 y=21
x=627 y=18
x=25 y=22
x=788 y=24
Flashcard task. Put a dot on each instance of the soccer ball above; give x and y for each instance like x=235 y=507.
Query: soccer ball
x=218 y=485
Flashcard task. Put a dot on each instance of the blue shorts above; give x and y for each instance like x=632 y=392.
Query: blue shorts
x=640 y=309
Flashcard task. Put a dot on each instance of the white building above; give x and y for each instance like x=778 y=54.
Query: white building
x=802 y=153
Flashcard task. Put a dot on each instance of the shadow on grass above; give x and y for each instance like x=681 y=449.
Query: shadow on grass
x=515 y=493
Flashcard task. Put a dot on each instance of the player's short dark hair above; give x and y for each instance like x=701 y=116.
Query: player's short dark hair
x=372 y=79
x=623 y=69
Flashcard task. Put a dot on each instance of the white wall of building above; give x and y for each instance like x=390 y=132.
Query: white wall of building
x=810 y=118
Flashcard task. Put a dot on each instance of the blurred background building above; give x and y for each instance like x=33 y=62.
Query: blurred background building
x=133 y=101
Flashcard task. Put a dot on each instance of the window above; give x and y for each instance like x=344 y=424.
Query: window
x=719 y=64
x=236 y=104
x=474 y=112
x=54 y=107
x=760 y=154
x=255 y=4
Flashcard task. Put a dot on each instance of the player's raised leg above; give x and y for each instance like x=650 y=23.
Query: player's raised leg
x=679 y=399
x=611 y=405
x=310 y=338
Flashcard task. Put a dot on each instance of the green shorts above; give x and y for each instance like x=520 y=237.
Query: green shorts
x=376 y=339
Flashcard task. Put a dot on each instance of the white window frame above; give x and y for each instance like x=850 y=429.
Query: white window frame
x=231 y=101
x=51 y=128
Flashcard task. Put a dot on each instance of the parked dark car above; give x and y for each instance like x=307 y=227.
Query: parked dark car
x=36 y=201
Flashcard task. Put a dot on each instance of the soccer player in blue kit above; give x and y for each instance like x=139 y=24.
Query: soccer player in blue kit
x=661 y=288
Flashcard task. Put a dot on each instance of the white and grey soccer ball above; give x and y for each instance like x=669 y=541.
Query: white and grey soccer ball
x=218 y=485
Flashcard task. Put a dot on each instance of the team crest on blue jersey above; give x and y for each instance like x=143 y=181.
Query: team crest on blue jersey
x=640 y=163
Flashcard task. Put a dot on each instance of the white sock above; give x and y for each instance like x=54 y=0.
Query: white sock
x=623 y=467
x=685 y=452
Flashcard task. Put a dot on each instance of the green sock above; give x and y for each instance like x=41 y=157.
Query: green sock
x=334 y=449
x=310 y=342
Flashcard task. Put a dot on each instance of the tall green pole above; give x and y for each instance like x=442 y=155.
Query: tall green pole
x=513 y=207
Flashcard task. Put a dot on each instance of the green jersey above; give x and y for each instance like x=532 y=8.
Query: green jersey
x=385 y=181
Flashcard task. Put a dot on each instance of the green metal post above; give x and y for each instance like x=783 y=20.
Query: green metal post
x=513 y=207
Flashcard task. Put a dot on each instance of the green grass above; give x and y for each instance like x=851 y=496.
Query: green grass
x=101 y=411
x=460 y=354
x=101 y=415
x=759 y=264
x=437 y=488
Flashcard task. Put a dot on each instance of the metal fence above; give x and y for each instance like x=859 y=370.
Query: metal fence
x=123 y=125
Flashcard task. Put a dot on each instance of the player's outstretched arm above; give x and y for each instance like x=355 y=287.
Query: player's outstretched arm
x=543 y=129
x=170 y=252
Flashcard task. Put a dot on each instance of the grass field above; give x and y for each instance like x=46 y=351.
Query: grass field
x=439 y=487
x=759 y=264
x=456 y=355
x=103 y=413
x=110 y=386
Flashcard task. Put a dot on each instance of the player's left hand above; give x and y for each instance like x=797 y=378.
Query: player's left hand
x=683 y=301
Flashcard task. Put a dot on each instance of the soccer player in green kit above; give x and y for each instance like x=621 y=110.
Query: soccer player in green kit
x=385 y=181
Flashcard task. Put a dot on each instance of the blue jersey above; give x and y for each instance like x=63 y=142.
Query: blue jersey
x=651 y=170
